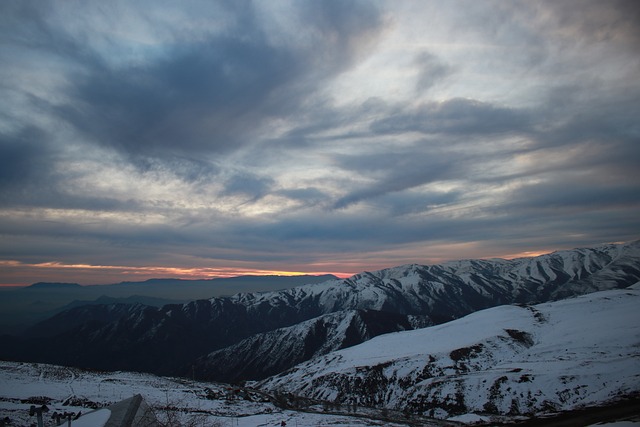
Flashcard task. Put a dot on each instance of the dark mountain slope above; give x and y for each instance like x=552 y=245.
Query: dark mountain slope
x=99 y=314
x=262 y=355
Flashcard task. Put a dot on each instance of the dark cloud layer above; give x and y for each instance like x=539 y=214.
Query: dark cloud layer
x=214 y=95
x=347 y=135
x=22 y=160
x=199 y=99
x=394 y=172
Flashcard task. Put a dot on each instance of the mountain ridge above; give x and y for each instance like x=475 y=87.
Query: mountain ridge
x=265 y=354
x=507 y=360
x=170 y=339
x=22 y=307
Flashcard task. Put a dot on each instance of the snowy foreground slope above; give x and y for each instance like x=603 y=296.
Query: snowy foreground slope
x=507 y=360
x=176 y=402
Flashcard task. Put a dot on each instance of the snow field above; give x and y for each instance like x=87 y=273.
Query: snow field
x=206 y=404
x=508 y=359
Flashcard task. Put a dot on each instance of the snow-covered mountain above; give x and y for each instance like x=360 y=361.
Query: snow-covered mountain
x=169 y=340
x=262 y=355
x=507 y=360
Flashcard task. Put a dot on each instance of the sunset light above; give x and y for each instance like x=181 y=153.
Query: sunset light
x=214 y=139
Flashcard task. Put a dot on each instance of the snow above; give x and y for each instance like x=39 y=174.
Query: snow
x=583 y=351
x=71 y=390
x=470 y=419
x=564 y=354
x=572 y=317
x=490 y=278
x=412 y=344
x=93 y=419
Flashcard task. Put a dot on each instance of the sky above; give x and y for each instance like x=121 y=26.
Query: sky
x=201 y=139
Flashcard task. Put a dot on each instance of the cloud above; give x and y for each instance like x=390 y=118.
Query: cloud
x=203 y=98
x=431 y=70
x=392 y=172
x=225 y=132
x=594 y=21
x=575 y=196
x=249 y=185
x=182 y=108
x=456 y=116
x=22 y=158
x=215 y=94
x=417 y=202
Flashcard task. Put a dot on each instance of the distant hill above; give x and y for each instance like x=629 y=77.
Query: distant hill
x=22 y=307
x=53 y=285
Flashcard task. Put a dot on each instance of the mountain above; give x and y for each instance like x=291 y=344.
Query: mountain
x=265 y=354
x=508 y=360
x=130 y=300
x=89 y=313
x=175 y=338
x=22 y=307
x=222 y=286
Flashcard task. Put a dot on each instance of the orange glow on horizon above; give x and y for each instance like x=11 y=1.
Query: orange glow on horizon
x=527 y=254
x=130 y=273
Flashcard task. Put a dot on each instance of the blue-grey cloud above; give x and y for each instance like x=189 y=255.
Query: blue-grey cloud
x=431 y=70
x=393 y=172
x=574 y=196
x=248 y=185
x=454 y=117
x=204 y=97
x=309 y=196
x=23 y=158
x=212 y=95
x=408 y=203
